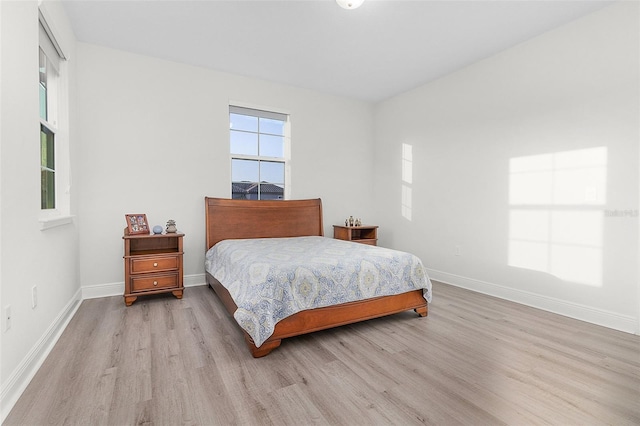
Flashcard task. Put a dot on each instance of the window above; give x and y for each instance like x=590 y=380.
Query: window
x=258 y=145
x=53 y=86
x=48 y=65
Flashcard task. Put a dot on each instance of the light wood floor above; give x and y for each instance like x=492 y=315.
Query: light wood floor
x=474 y=360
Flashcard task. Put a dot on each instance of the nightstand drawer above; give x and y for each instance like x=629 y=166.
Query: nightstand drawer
x=147 y=283
x=154 y=264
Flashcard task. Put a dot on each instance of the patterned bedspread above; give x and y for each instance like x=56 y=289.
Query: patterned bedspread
x=270 y=279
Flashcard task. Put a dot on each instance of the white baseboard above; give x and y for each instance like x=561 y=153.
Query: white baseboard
x=18 y=381
x=589 y=314
x=102 y=290
x=194 y=280
x=117 y=289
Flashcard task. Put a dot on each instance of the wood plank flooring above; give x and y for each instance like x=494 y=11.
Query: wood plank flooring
x=475 y=360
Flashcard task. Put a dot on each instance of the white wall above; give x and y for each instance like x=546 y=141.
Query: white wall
x=30 y=256
x=154 y=140
x=566 y=91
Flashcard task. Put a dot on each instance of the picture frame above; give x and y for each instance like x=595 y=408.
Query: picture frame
x=137 y=224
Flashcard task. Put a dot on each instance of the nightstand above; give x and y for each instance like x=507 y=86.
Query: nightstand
x=364 y=234
x=152 y=265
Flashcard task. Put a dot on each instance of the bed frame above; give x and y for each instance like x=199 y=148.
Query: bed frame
x=233 y=219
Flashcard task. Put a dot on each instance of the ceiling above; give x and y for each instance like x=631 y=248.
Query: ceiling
x=371 y=53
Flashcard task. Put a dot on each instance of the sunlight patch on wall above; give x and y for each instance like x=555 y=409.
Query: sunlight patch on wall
x=555 y=218
x=407 y=179
x=407 y=163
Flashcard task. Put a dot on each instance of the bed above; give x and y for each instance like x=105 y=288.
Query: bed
x=296 y=223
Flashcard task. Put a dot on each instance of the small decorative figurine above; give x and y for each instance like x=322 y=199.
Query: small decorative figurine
x=351 y=221
x=171 y=226
x=358 y=222
x=157 y=229
x=346 y=222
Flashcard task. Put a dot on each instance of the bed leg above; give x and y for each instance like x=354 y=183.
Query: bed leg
x=422 y=311
x=263 y=350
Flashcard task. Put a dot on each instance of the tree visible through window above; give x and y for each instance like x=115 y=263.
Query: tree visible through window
x=47 y=169
x=257 y=146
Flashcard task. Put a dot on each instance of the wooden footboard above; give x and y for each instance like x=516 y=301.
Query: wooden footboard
x=322 y=318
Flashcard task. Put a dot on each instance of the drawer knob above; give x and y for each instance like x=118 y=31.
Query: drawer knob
x=155 y=264
x=155 y=283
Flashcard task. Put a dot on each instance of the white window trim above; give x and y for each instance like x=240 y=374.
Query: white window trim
x=55 y=222
x=59 y=124
x=43 y=16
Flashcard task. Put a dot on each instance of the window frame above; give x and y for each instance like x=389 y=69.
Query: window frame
x=267 y=113
x=56 y=122
x=48 y=123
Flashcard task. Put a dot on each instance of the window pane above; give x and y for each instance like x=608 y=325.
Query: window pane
x=47 y=150
x=238 y=194
x=272 y=172
x=47 y=169
x=271 y=146
x=243 y=122
x=244 y=190
x=48 y=185
x=43 y=86
x=244 y=143
x=273 y=127
x=269 y=191
x=244 y=170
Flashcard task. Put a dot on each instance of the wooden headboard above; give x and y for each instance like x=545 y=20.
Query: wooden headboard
x=232 y=219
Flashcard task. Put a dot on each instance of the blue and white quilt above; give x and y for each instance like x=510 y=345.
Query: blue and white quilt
x=270 y=279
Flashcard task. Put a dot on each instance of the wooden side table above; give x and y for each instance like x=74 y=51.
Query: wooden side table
x=152 y=265
x=365 y=234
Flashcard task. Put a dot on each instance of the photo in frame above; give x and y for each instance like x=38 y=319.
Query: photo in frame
x=137 y=223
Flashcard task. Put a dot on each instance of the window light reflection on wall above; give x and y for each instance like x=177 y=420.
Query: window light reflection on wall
x=555 y=217
x=407 y=180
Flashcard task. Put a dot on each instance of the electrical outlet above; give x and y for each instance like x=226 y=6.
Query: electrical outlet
x=34 y=297
x=7 y=317
x=457 y=250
